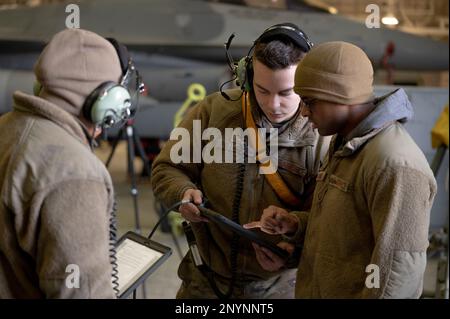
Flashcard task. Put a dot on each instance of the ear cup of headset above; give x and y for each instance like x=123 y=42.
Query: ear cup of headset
x=107 y=105
x=112 y=107
x=242 y=73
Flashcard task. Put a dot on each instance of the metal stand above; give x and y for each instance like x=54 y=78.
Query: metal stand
x=133 y=142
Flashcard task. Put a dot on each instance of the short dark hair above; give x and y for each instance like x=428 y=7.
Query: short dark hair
x=278 y=54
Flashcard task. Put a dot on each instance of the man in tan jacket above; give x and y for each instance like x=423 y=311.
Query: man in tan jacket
x=239 y=190
x=56 y=196
x=367 y=232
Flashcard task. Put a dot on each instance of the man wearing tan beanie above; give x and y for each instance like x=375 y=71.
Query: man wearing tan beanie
x=366 y=235
x=56 y=196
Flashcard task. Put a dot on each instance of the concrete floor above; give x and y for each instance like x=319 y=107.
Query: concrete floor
x=164 y=282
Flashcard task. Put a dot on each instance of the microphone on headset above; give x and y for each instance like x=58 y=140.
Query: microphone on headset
x=230 y=60
x=233 y=67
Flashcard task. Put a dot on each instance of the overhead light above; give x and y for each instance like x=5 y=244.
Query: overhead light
x=389 y=20
x=320 y=4
x=332 y=10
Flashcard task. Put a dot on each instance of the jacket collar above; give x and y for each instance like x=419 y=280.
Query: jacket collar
x=296 y=132
x=390 y=108
x=35 y=105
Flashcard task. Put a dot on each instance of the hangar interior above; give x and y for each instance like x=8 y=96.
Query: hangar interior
x=427 y=89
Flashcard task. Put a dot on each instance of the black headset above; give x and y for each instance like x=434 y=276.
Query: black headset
x=243 y=70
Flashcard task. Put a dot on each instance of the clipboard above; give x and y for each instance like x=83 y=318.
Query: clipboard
x=137 y=257
x=241 y=231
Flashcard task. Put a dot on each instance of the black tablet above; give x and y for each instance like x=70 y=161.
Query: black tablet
x=137 y=257
x=241 y=231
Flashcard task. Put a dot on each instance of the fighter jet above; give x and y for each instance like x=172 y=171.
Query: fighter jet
x=178 y=42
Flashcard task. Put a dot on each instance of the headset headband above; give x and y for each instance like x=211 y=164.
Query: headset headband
x=241 y=69
x=289 y=30
x=122 y=53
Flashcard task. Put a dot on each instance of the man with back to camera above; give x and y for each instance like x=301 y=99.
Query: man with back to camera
x=366 y=235
x=239 y=191
x=56 y=196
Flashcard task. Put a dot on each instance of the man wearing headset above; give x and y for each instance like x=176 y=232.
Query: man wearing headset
x=229 y=267
x=56 y=196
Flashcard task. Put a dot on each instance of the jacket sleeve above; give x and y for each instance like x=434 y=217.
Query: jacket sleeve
x=299 y=236
x=72 y=256
x=399 y=201
x=171 y=179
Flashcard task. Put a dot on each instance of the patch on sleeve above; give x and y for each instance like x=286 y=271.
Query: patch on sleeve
x=339 y=183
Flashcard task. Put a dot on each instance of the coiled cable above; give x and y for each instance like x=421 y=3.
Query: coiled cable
x=112 y=248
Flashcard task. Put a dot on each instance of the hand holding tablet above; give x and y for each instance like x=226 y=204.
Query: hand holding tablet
x=241 y=231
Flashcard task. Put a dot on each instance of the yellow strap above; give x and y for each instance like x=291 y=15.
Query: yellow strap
x=196 y=92
x=275 y=180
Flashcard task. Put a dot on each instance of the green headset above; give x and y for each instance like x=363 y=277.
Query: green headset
x=110 y=103
x=243 y=69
